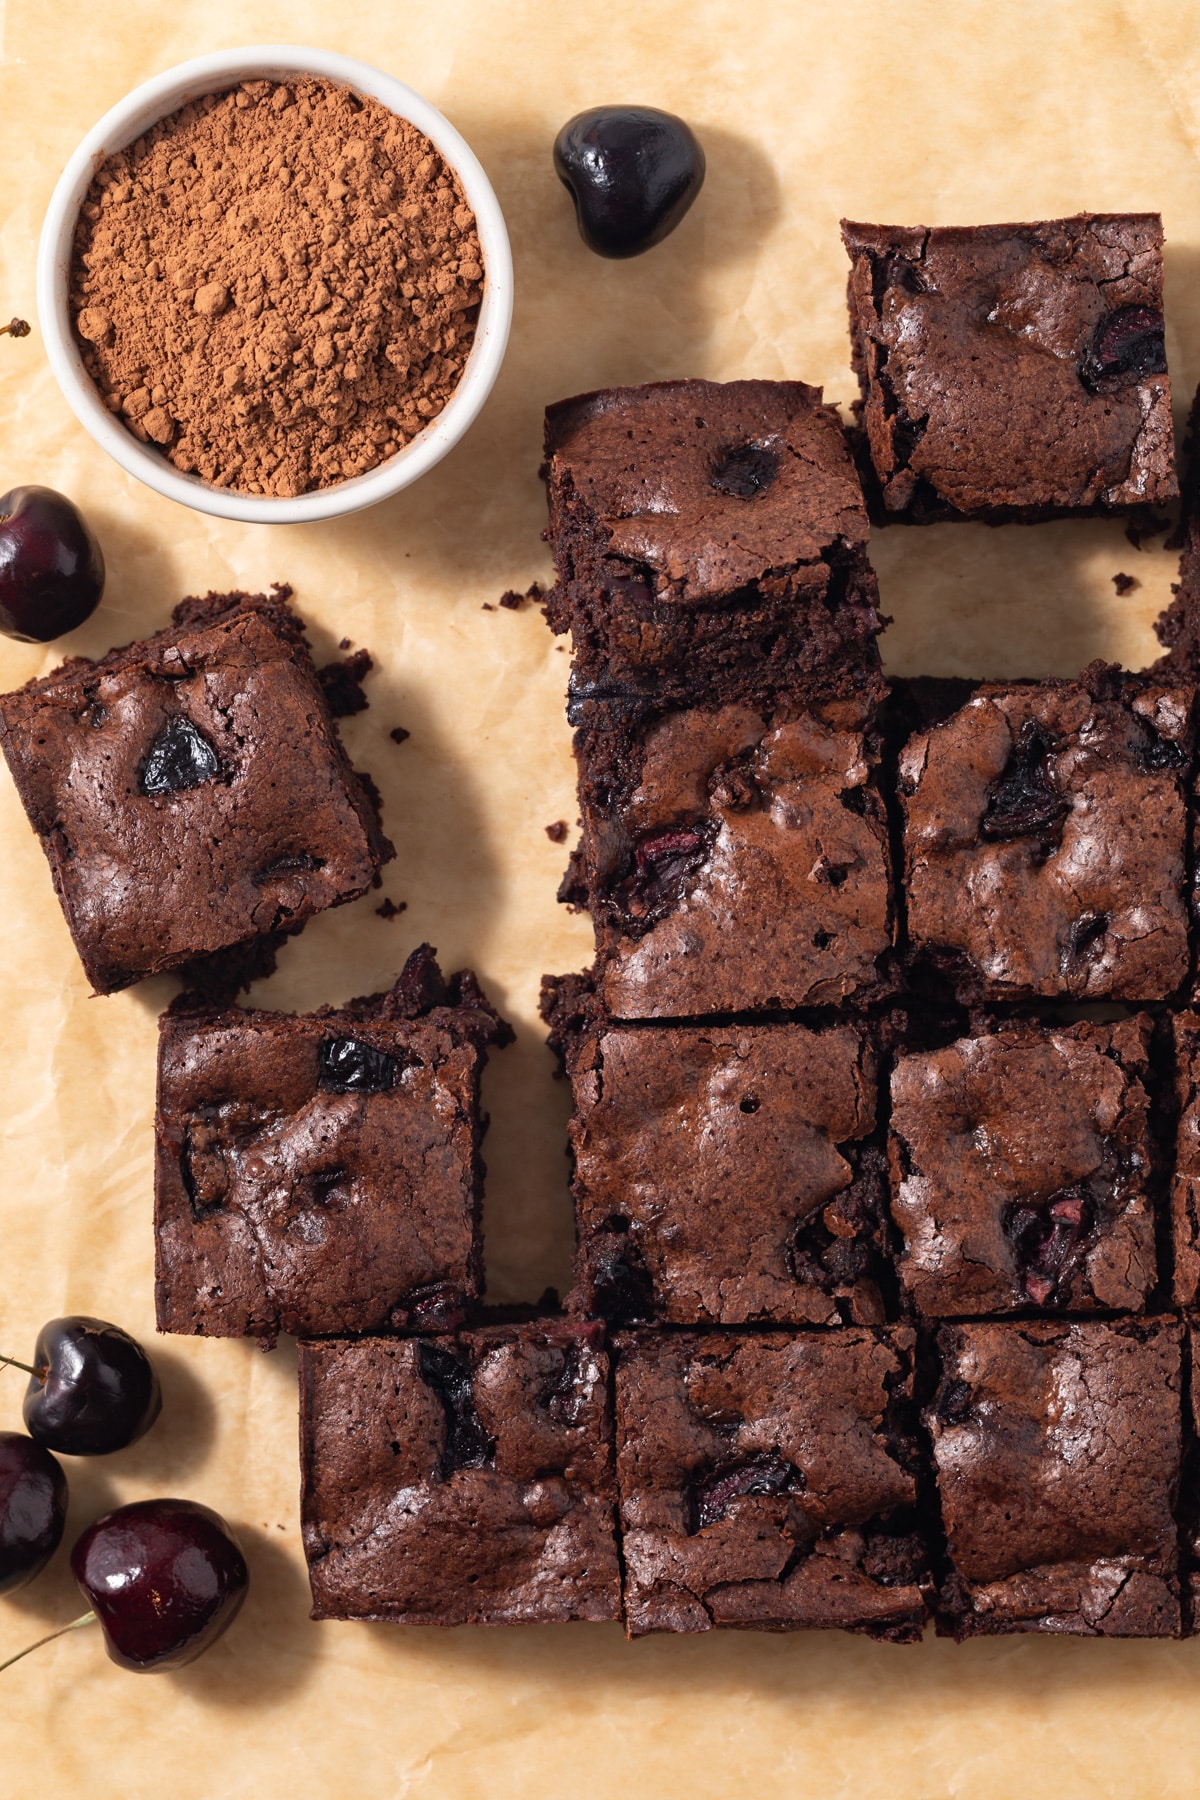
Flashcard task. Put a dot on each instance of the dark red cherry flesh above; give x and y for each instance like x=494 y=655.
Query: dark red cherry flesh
x=165 y=1578
x=33 y=1509
x=632 y=172
x=51 y=566
x=93 y=1389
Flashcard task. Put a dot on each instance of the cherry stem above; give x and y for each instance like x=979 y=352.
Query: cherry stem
x=12 y=1363
x=89 y=1618
x=15 y=328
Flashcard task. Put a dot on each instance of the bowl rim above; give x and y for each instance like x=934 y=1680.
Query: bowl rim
x=162 y=95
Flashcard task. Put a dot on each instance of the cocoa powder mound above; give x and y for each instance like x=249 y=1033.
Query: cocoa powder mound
x=278 y=285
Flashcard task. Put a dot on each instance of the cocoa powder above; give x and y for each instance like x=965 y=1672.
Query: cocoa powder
x=278 y=285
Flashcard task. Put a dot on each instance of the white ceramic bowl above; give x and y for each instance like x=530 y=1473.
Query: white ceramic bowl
x=155 y=100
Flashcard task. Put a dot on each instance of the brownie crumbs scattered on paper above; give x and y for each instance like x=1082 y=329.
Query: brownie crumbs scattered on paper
x=342 y=683
x=511 y=601
x=16 y=328
x=1125 y=584
x=557 y=832
x=398 y=734
x=487 y=607
x=391 y=909
x=278 y=285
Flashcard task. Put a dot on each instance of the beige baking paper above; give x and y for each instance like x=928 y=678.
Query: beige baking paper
x=920 y=112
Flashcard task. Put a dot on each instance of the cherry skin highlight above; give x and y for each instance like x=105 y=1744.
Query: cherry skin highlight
x=51 y=565
x=165 y=1578
x=33 y=1509
x=93 y=1390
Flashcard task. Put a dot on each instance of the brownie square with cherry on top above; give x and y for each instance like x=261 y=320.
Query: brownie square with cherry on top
x=1057 y=1453
x=733 y=860
x=460 y=1480
x=1013 y=371
x=1021 y=1170
x=709 y=543
x=320 y=1172
x=769 y=1481
x=721 y=1175
x=1045 y=836
x=190 y=791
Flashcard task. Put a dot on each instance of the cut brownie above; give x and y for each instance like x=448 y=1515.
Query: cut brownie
x=191 y=791
x=1185 y=1178
x=769 y=1481
x=1045 y=838
x=721 y=1176
x=733 y=860
x=710 y=545
x=320 y=1173
x=1057 y=1450
x=460 y=1480
x=1020 y=1167
x=1013 y=370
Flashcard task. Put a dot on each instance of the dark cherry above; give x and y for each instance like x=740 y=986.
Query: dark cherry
x=1128 y=343
x=180 y=757
x=164 y=1577
x=51 y=566
x=632 y=172
x=663 y=865
x=33 y=1509
x=765 y=1473
x=1024 y=802
x=467 y=1444
x=348 y=1066
x=92 y=1388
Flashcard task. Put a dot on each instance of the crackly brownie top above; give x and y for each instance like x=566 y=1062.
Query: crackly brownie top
x=1020 y=1164
x=1057 y=1452
x=1045 y=828
x=190 y=790
x=711 y=485
x=767 y=1477
x=716 y=1173
x=1014 y=366
x=460 y=1477
x=735 y=860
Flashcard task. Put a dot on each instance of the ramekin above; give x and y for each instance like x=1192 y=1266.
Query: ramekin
x=163 y=95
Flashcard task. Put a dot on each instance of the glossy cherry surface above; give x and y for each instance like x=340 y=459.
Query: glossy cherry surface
x=33 y=1509
x=165 y=1578
x=51 y=566
x=94 y=1389
x=632 y=172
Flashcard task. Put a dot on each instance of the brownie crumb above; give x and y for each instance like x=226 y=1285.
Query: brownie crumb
x=1125 y=584
x=392 y=909
x=342 y=682
x=511 y=601
x=16 y=328
x=345 y=643
x=217 y=980
x=398 y=734
x=487 y=607
x=557 y=832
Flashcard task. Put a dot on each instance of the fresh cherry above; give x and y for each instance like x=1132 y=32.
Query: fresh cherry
x=51 y=566
x=33 y=1509
x=165 y=1578
x=632 y=172
x=92 y=1388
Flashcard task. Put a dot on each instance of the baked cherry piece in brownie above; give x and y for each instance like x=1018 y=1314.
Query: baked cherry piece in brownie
x=320 y=1172
x=721 y=1175
x=1013 y=371
x=1045 y=830
x=1057 y=1452
x=1020 y=1171
x=733 y=859
x=709 y=542
x=191 y=791
x=770 y=1481
x=460 y=1480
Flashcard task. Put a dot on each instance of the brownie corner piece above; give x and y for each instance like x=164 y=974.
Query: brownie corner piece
x=460 y=1479
x=319 y=1173
x=724 y=1175
x=190 y=790
x=1012 y=371
x=1022 y=1164
x=1056 y=1450
x=770 y=1481
x=1045 y=840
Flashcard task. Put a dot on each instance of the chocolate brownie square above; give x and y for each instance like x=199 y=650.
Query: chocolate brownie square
x=190 y=791
x=1045 y=835
x=769 y=1481
x=709 y=542
x=1057 y=1451
x=1185 y=1176
x=733 y=860
x=721 y=1175
x=1013 y=371
x=461 y=1480
x=1021 y=1165
x=320 y=1172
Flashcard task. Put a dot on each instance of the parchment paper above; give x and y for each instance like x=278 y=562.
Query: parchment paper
x=924 y=112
